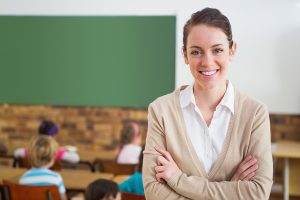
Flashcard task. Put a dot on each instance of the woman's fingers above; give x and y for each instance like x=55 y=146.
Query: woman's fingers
x=244 y=166
x=249 y=177
x=159 y=177
x=164 y=153
x=249 y=171
x=162 y=160
x=159 y=169
x=246 y=169
x=246 y=160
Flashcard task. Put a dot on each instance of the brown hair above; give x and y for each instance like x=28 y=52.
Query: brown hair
x=211 y=17
x=42 y=150
x=128 y=133
x=101 y=189
x=141 y=158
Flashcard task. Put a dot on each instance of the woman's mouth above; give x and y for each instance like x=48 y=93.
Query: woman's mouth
x=208 y=73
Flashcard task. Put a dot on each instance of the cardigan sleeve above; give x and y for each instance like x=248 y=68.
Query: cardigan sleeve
x=259 y=187
x=155 y=137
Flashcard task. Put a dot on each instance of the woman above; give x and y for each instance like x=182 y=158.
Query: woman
x=207 y=140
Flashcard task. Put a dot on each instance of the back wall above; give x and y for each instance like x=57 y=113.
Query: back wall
x=266 y=65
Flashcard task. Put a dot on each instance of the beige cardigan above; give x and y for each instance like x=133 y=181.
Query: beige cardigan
x=248 y=134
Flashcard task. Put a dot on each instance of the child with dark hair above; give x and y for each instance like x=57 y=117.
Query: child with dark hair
x=102 y=189
x=134 y=184
x=49 y=128
x=130 y=141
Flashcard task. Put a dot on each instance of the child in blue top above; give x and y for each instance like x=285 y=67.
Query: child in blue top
x=134 y=184
x=42 y=157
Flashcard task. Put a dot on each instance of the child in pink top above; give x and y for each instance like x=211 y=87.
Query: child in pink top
x=49 y=128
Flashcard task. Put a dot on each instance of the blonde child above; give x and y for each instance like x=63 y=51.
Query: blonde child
x=42 y=156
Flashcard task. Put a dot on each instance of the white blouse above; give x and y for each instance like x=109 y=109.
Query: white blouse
x=207 y=141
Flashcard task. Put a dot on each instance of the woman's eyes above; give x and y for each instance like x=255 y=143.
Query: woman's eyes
x=197 y=53
x=218 y=51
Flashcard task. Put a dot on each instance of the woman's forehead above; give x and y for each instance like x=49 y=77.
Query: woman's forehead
x=203 y=35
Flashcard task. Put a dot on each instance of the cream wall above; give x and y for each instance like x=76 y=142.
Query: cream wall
x=267 y=63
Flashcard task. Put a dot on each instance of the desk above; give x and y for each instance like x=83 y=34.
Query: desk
x=90 y=155
x=289 y=151
x=11 y=174
x=120 y=178
x=76 y=180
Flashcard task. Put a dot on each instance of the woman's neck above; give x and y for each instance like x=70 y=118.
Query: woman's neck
x=209 y=98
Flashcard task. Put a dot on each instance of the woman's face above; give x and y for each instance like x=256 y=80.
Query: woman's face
x=208 y=54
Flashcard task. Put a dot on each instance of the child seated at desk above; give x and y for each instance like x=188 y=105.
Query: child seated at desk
x=130 y=148
x=134 y=184
x=3 y=148
x=48 y=128
x=42 y=156
x=102 y=189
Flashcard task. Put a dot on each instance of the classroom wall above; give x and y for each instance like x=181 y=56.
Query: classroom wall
x=267 y=32
x=96 y=128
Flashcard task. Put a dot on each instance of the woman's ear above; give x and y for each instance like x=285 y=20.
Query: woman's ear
x=233 y=49
x=185 y=55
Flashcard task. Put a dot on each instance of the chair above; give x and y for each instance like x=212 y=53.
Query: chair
x=6 y=159
x=3 y=191
x=23 y=162
x=111 y=166
x=14 y=191
x=131 y=196
x=81 y=165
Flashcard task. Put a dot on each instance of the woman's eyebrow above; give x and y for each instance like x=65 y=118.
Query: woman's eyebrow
x=215 y=45
x=197 y=47
x=194 y=47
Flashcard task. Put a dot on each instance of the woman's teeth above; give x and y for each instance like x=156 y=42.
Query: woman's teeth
x=208 y=73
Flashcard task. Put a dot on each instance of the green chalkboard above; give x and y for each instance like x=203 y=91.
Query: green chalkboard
x=125 y=61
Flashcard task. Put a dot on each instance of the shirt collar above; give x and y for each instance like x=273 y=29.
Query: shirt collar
x=228 y=98
x=187 y=97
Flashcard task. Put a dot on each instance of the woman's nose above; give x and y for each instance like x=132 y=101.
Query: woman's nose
x=207 y=60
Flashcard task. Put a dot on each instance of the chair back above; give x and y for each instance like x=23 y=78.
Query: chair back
x=20 y=192
x=24 y=162
x=3 y=192
x=111 y=166
x=131 y=196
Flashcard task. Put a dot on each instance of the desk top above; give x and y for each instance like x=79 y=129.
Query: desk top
x=286 y=149
x=120 y=178
x=88 y=155
x=92 y=155
x=11 y=174
x=78 y=180
x=73 y=179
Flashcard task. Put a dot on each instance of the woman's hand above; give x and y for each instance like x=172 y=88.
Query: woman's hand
x=166 y=165
x=246 y=170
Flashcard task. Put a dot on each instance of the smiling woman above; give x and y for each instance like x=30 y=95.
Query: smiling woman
x=205 y=140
